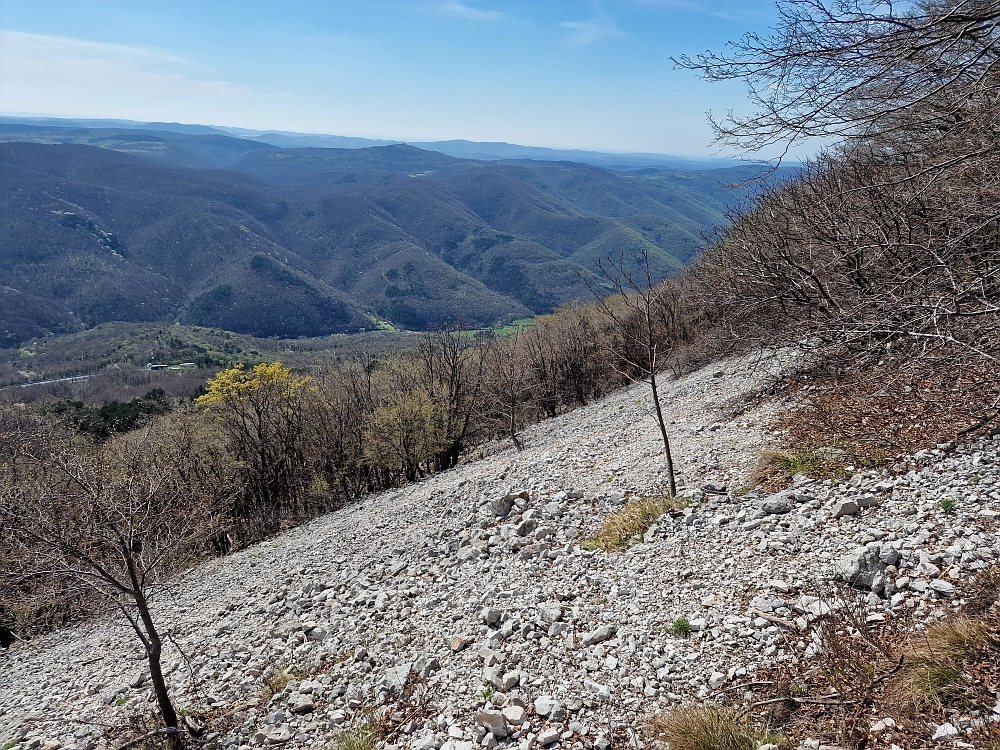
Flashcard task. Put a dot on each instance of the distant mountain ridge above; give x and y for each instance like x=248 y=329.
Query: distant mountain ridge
x=490 y=151
x=130 y=225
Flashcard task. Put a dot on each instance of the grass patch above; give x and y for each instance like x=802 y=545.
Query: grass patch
x=621 y=528
x=707 y=728
x=515 y=326
x=947 y=505
x=777 y=468
x=360 y=737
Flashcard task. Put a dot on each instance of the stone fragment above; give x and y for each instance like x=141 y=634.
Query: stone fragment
x=813 y=605
x=396 y=566
x=526 y=527
x=284 y=628
x=556 y=629
x=775 y=505
x=862 y=569
x=548 y=736
x=458 y=643
x=946 y=731
x=601 y=634
x=845 y=508
x=780 y=586
x=110 y=695
x=888 y=554
x=550 y=612
x=299 y=703
x=493 y=722
x=603 y=692
x=502 y=681
x=545 y=705
x=427 y=741
x=514 y=715
x=942 y=587
x=395 y=679
x=426 y=665
x=317 y=634
x=278 y=735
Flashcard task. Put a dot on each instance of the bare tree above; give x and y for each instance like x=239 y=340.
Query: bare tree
x=854 y=69
x=507 y=387
x=632 y=312
x=448 y=368
x=882 y=256
x=116 y=520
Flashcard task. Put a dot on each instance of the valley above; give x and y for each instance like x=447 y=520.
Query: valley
x=210 y=230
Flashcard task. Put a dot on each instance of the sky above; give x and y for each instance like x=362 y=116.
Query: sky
x=590 y=74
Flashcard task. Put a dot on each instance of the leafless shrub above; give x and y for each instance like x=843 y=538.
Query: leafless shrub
x=113 y=520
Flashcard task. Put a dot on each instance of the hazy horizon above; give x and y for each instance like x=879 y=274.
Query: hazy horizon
x=565 y=75
x=237 y=131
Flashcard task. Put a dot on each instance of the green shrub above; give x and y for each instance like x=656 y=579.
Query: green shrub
x=681 y=627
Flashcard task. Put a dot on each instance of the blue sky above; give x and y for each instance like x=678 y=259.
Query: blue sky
x=591 y=74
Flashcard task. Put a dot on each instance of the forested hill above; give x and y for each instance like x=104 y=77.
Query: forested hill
x=305 y=242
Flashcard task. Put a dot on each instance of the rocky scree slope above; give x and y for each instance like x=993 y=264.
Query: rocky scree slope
x=473 y=586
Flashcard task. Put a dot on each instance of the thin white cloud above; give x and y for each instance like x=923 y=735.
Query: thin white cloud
x=57 y=75
x=19 y=42
x=585 y=33
x=740 y=10
x=459 y=9
x=600 y=27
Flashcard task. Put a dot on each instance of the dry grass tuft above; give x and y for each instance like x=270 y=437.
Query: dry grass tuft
x=982 y=593
x=775 y=469
x=706 y=727
x=951 y=664
x=621 y=528
x=275 y=680
x=358 y=737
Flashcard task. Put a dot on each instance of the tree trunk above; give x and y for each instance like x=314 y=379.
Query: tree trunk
x=154 y=647
x=663 y=432
x=512 y=428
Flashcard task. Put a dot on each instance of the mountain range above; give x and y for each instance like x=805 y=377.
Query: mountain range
x=123 y=224
x=463 y=149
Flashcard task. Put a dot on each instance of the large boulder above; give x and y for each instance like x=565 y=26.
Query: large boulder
x=864 y=568
x=775 y=505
